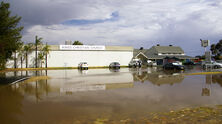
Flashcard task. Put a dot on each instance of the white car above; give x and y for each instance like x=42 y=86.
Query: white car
x=135 y=63
x=83 y=65
x=211 y=64
x=151 y=63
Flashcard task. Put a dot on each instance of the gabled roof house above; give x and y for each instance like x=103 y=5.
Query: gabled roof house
x=159 y=53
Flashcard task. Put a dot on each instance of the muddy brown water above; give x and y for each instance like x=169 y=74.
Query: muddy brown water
x=73 y=96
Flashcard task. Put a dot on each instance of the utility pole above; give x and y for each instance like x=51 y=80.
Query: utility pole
x=205 y=44
x=36 y=48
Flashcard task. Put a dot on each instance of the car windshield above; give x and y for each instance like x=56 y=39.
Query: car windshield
x=175 y=63
x=116 y=63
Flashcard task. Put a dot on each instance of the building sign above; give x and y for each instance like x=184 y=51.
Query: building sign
x=81 y=47
x=204 y=43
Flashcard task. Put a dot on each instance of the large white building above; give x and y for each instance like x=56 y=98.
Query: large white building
x=72 y=55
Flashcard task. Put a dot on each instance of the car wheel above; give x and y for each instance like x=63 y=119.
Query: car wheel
x=216 y=67
x=204 y=66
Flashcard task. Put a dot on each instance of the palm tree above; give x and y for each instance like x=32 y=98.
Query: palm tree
x=19 y=46
x=27 y=49
x=40 y=58
x=45 y=50
x=38 y=42
x=20 y=53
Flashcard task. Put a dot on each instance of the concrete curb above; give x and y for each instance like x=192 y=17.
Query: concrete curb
x=19 y=80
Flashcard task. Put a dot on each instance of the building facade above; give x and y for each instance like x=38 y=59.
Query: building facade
x=161 y=54
x=72 y=55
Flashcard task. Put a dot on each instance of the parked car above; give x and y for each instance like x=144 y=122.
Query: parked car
x=115 y=65
x=198 y=63
x=188 y=63
x=174 y=65
x=219 y=61
x=83 y=65
x=211 y=64
x=151 y=63
x=135 y=63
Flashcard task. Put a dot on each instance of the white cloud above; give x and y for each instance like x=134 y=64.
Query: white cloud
x=140 y=22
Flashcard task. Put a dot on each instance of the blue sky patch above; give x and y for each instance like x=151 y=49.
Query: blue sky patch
x=114 y=17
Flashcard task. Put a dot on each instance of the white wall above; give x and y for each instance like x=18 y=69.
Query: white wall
x=73 y=58
x=93 y=58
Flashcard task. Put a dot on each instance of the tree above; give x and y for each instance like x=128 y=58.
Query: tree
x=40 y=58
x=216 y=49
x=9 y=34
x=20 y=53
x=38 y=43
x=77 y=43
x=45 y=51
x=27 y=50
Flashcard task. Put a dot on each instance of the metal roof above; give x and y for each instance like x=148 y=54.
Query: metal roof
x=170 y=56
x=152 y=53
x=168 y=49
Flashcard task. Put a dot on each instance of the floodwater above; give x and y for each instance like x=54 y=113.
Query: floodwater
x=98 y=96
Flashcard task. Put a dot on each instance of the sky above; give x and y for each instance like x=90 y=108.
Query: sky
x=137 y=23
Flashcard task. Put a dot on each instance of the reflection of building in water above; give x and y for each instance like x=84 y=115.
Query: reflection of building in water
x=40 y=88
x=99 y=82
x=98 y=87
x=158 y=78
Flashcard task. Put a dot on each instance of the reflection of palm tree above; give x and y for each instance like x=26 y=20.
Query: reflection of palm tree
x=27 y=49
x=41 y=87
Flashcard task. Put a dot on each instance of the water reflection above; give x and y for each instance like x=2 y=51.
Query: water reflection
x=217 y=79
x=207 y=86
x=158 y=77
x=71 y=95
x=209 y=80
x=10 y=105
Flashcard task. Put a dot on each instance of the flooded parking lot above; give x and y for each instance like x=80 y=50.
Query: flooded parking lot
x=105 y=96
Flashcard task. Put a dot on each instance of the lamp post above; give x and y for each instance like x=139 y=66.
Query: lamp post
x=205 y=44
